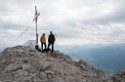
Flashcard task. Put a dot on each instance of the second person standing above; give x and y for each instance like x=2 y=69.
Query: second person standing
x=51 y=40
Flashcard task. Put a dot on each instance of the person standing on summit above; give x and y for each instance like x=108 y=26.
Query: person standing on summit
x=43 y=41
x=51 y=40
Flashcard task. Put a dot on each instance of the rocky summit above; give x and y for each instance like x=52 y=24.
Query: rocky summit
x=120 y=76
x=23 y=64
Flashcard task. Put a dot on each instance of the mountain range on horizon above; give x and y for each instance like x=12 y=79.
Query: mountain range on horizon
x=110 y=58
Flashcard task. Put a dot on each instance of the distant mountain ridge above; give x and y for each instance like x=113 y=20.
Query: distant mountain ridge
x=110 y=58
x=2 y=47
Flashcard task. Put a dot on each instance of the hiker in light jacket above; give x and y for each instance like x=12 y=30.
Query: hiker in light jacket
x=51 y=40
x=43 y=41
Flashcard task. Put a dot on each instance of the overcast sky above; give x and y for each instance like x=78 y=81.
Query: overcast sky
x=72 y=21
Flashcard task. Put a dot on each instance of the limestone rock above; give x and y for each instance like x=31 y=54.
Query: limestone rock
x=120 y=76
x=23 y=64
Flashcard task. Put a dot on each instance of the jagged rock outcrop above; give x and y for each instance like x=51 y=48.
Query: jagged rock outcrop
x=23 y=64
x=120 y=76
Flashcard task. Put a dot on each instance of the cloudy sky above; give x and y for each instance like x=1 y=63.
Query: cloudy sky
x=72 y=21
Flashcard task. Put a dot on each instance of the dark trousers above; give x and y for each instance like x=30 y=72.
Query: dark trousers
x=42 y=45
x=51 y=43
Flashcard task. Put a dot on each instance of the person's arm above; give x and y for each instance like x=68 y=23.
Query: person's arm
x=41 y=39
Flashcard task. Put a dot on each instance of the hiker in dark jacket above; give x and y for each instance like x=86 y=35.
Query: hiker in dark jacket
x=51 y=40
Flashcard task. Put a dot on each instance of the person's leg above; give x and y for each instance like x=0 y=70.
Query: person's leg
x=42 y=46
x=48 y=45
x=52 y=47
x=45 y=46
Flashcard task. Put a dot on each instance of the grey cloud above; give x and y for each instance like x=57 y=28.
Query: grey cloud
x=56 y=15
x=117 y=16
x=116 y=33
x=10 y=25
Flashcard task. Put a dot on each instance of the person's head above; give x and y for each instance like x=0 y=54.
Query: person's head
x=43 y=34
x=50 y=32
